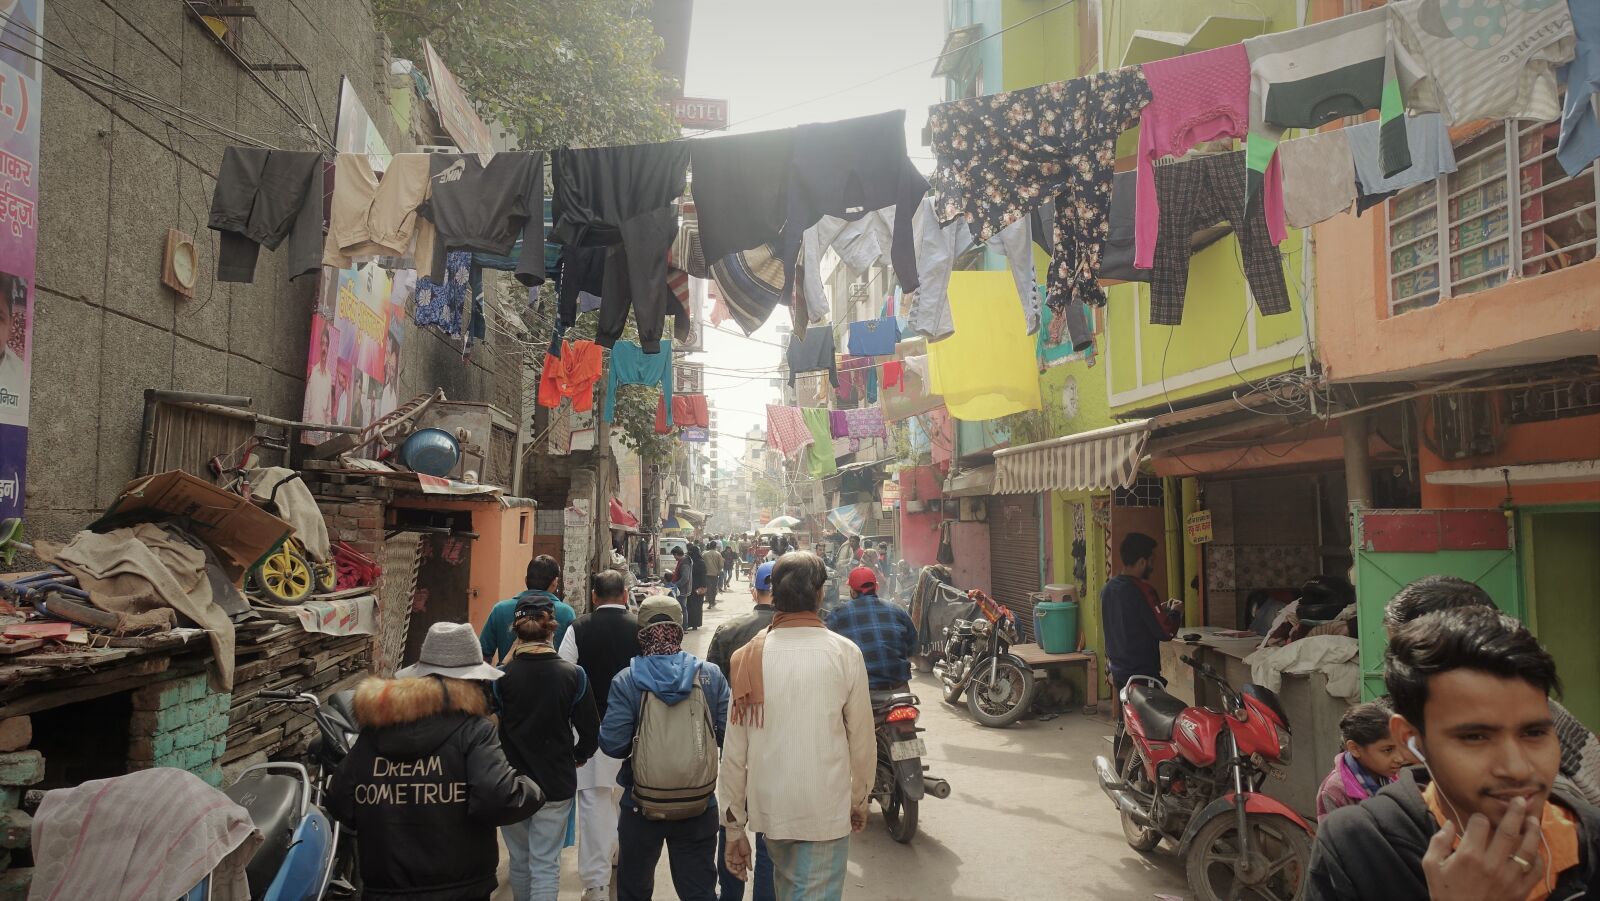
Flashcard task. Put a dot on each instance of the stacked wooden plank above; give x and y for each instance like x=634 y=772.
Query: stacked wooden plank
x=287 y=658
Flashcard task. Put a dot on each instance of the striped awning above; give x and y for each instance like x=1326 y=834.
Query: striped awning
x=1098 y=460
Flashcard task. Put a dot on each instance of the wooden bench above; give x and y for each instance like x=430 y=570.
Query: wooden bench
x=1038 y=658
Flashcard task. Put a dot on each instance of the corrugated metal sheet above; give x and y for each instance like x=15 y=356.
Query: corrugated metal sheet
x=1014 y=530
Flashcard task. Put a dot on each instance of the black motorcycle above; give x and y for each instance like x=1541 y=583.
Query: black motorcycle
x=977 y=659
x=901 y=779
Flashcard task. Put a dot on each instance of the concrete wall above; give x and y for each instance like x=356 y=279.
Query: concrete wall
x=114 y=178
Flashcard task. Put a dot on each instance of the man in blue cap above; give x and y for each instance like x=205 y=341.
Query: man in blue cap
x=731 y=636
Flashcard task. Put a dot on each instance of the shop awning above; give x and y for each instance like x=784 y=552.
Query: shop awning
x=977 y=482
x=622 y=519
x=1097 y=460
x=693 y=516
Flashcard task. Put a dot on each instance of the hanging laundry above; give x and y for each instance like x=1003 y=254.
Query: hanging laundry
x=478 y=328
x=786 y=430
x=444 y=303
x=261 y=198
x=854 y=373
x=985 y=370
x=621 y=198
x=373 y=218
x=1432 y=154
x=686 y=253
x=1319 y=176
x=860 y=244
x=486 y=207
x=847 y=169
x=631 y=365
x=1306 y=77
x=838 y=425
x=1580 y=114
x=1000 y=156
x=570 y=371
x=741 y=189
x=819 y=454
x=689 y=411
x=865 y=422
x=1199 y=193
x=1194 y=98
x=719 y=308
x=1116 y=259
x=581 y=279
x=1488 y=61
x=874 y=338
x=938 y=248
x=894 y=375
x=751 y=283
x=1065 y=333
x=813 y=353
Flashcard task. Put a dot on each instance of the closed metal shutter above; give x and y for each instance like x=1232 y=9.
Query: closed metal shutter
x=1014 y=530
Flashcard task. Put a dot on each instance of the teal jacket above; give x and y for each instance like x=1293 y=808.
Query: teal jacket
x=497 y=638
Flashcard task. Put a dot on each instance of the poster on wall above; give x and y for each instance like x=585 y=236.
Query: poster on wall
x=358 y=328
x=20 y=52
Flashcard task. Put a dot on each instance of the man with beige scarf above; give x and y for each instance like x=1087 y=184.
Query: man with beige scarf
x=799 y=754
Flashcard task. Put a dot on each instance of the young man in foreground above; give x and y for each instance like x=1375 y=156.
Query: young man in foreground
x=1479 y=821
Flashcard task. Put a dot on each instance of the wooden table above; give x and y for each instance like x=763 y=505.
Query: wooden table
x=1038 y=658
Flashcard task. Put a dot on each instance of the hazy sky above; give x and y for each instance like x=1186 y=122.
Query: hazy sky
x=785 y=63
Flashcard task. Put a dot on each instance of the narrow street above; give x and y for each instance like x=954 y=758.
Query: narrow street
x=1025 y=821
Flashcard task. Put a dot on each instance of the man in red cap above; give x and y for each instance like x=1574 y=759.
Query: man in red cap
x=884 y=632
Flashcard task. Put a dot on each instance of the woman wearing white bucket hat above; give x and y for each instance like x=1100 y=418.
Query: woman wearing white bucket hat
x=427 y=784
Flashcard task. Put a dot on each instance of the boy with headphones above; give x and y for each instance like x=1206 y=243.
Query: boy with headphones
x=1481 y=819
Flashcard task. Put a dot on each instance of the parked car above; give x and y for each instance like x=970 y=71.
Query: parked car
x=665 y=562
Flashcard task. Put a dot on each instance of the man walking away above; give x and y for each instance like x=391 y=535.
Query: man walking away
x=1135 y=620
x=543 y=579
x=885 y=634
x=676 y=705
x=713 y=559
x=798 y=762
x=731 y=636
x=1482 y=819
x=544 y=702
x=694 y=603
x=601 y=641
x=426 y=782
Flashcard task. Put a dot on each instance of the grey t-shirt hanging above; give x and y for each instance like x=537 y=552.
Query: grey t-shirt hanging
x=1431 y=154
x=812 y=353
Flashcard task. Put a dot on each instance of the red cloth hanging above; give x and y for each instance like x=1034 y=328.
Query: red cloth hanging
x=688 y=411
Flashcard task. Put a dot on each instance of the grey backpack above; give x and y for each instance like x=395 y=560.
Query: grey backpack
x=674 y=757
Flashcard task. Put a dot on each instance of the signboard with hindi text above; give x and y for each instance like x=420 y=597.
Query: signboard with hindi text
x=19 y=235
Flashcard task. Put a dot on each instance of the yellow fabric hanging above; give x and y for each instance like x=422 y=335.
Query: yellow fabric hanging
x=986 y=369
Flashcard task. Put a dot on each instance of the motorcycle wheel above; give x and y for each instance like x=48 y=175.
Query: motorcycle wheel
x=1140 y=838
x=1281 y=858
x=900 y=815
x=1007 y=701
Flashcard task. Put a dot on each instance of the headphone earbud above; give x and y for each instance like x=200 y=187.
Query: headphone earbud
x=1416 y=751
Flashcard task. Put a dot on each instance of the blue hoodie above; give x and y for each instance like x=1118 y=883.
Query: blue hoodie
x=669 y=677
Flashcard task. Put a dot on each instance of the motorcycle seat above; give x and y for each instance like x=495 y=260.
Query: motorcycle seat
x=273 y=802
x=1157 y=710
x=883 y=700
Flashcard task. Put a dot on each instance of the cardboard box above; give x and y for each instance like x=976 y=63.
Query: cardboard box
x=241 y=533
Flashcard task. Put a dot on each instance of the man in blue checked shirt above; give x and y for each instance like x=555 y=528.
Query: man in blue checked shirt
x=884 y=632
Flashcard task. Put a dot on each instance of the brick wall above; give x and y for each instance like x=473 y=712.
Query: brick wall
x=19 y=768
x=179 y=723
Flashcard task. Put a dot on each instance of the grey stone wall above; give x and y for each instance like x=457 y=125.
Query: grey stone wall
x=114 y=177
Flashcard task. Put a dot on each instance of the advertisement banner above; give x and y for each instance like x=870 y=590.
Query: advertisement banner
x=358 y=327
x=455 y=111
x=19 y=235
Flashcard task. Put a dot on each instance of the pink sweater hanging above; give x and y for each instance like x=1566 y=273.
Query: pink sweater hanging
x=1195 y=98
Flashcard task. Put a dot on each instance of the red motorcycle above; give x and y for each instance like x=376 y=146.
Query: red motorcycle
x=1193 y=776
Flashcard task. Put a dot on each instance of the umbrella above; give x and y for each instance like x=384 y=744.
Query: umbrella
x=784 y=523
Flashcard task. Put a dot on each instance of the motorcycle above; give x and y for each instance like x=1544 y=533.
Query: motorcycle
x=1193 y=776
x=305 y=856
x=977 y=659
x=901 y=779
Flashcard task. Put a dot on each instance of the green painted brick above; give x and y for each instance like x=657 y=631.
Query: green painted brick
x=154 y=722
x=212 y=775
x=221 y=703
x=217 y=726
x=158 y=696
x=14 y=884
x=9 y=799
x=16 y=829
x=21 y=768
x=195 y=688
x=189 y=736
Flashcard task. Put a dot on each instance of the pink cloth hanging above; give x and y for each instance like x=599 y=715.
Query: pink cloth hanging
x=786 y=430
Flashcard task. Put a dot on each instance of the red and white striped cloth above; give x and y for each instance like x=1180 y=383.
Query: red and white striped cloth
x=786 y=430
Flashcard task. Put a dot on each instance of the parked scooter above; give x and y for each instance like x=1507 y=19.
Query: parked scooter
x=901 y=779
x=306 y=856
x=1193 y=776
x=977 y=660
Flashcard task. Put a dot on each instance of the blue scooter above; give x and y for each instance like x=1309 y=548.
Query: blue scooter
x=306 y=855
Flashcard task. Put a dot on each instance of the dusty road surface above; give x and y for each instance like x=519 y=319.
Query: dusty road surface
x=1025 y=822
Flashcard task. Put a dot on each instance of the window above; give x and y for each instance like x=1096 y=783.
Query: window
x=1555 y=221
x=523 y=535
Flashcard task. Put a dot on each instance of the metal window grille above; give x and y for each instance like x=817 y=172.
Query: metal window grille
x=1580 y=397
x=1146 y=492
x=1509 y=167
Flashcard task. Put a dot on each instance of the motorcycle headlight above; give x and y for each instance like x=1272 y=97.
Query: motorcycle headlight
x=1283 y=743
x=981 y=627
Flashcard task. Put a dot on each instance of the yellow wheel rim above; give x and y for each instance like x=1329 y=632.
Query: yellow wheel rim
x=286 y=575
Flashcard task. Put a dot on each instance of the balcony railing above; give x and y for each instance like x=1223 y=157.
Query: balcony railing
x=1509 y=167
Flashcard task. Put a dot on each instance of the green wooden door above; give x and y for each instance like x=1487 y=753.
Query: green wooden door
x=1561 y=559
x=1394 y=547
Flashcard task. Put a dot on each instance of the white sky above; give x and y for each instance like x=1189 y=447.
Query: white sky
x=776 y=62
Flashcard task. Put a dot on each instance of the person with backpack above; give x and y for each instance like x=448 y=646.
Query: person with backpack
x=664 y=719
x=544 y=702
